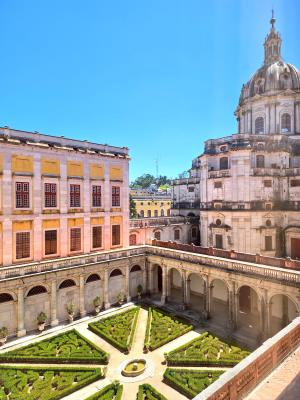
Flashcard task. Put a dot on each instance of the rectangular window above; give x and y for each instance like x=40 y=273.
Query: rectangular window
x=97 y=237
x=268 y=183
x=22 y=194
x=219 y=241
x=218 y=185
x=191 y=189
x=115 y=199
x=295 y=182
x=96 y=196
x=75 y=239
x=22 y=245
x=268 y=243
x=50 y=242
x=176 y=234
x=116 y=235
x=50 y=195
x=74 y=196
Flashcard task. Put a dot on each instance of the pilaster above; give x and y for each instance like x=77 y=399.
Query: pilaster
x=21 y=329
x=81 y=296
x=54 y=320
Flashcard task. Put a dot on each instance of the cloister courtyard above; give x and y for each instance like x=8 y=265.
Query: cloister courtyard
x=85 y=359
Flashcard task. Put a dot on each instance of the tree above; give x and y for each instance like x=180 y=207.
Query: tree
x=132 y=207
x=145 y=180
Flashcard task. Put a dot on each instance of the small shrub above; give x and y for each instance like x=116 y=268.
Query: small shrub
x=147 y=391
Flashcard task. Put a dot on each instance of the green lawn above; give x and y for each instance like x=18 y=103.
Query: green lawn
x=109 y=392
x=190 y=382
x=147 y=392
x=208 y=350
x=162 y=328
x=118 y=329
x=36 y=383
x=66 y=347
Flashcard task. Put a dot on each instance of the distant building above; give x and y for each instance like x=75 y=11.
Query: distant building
x=149 y=205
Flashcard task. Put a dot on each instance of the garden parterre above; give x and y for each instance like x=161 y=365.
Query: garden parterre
x=147 y=392
x=41 y=383
x=109 y=392
x=66 y=347
x=118 y=329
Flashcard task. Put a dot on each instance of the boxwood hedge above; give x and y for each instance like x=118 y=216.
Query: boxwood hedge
x=190 y=382
x=163 y=327
x=147 y=392
x=63 y=348
x=118 y=329
x=206 y=350
x=36 y=383
x=109 y=392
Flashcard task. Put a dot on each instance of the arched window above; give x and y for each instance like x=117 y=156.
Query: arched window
x=168 y=212
x=260 y=161
x=132 y=239
x=155 y=213
x=93 y=278
x=135 y=268
x=259 y=125
x=285 y=123
x=142 y=213
x=157 y=235
x=115 y=272
x=224 y=163
x=36 y=290
x=67 y=283
x=149 y=213
x=162 y=212
x=176 y=234
x=4 y=297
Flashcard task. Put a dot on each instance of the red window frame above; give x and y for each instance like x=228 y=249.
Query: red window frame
x=50 y=242
x=22 y=245
x=74 y=195
x=115 y=196
x=22 y=195
x=116 y=235
x=50 y=195
x=97 y=237
x=75 y=239
x=96 y=196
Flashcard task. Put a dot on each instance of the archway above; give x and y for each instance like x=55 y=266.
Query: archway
x=116 y=285
x=157 y=282
x=176 y=289
x=36 y=300
x=8 y=312
x=68 y=293
x=282 y=311
x=197 y=292
x=93 y=287
x=135 y=279
x=219 y=301
x=248 y=318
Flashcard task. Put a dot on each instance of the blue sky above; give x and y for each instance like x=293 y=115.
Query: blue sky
x=158 y=76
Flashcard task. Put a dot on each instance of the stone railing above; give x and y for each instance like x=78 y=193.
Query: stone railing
x=219 y=174
x=276 y=171
x=181 y=252
x=161 y=221
x=243 y=378
x=68 y=262
x=231 y=254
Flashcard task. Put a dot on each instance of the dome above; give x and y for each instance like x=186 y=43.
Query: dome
x=275 y=75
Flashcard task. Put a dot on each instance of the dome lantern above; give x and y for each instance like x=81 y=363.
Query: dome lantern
x=272 y=44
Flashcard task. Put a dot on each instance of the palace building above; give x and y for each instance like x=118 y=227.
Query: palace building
x=60 y=197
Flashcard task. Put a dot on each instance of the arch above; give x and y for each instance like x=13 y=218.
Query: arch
x=219 y=300
x=248 y=305
x=5 y=297
x=67 y=283
x=115 y=272
x=135 y=268
x=283 y=310
x=259 y=125
x=157 y=281
x=93 y=278
x=149 y=214
x=196 y=287
x=162 y=212
x=175 y=292
x=286 y=123
x=142 y=213
x=224 y=163
x=35 y=290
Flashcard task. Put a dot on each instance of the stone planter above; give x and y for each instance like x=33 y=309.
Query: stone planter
x=71 y=317
x=139 y=295
x=3 y=340
x=41 y=326
x=97 y=309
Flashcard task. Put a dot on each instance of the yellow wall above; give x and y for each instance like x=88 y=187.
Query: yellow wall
x=75 y=168
x=116 y=174
x=96 y=171
x=50 y=167
x=158 y=205
x=21 y=164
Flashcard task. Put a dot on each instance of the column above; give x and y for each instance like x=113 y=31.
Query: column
x=150 y=279
x=145 y=279
x=7 y=236
x=21 y=330
x=127 y=286
x=261 y=318
x=207 y=297
x=53 y=299
x=81 y=296
x=187 y=288
x=231 y=306
x=266 y=319
x=105 y=287
x=164 y=284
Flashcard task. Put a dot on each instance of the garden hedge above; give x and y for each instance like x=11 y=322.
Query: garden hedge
x=190 y=382
x=66 y=347
x=163 y=327
x=118 y=329
x=41 y=383
x=206 y=350
x=148 y=392
x=109 y=392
